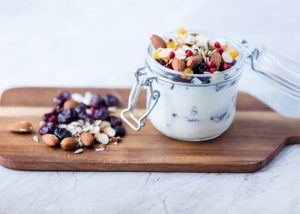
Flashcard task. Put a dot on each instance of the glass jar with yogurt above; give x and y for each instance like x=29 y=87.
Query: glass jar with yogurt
x=199 y=109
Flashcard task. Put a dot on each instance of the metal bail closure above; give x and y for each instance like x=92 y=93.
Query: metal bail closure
x=272 y=68
x=142 y=81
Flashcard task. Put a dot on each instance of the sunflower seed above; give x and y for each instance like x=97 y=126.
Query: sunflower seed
x=36 y=138
x=79 y=151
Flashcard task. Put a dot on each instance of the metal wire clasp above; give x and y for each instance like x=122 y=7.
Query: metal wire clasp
x=142 y=81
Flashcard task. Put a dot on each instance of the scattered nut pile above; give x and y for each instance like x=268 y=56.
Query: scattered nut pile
x=81 y=121
x=193 y=53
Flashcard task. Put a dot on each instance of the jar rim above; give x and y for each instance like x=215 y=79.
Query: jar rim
x=168 y=73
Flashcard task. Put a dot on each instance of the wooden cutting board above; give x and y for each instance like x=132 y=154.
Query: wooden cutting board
x=256 y=136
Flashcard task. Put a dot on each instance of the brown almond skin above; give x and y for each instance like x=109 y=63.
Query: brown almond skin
x=69 y=143
x=178 y=64
x=87 y=139
x=70 y=104
x=50 y=140
x=216 y=58
x=158 y=42
x=193 y=61
x=21 y=127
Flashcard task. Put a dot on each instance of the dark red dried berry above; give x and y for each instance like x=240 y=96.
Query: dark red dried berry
x=101 y=114
x=120 y=131
x=111 y=100
x=62 y=133
x=115 y=121
x=67 y=116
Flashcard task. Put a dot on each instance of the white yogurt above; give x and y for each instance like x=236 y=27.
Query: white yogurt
x=194 y=113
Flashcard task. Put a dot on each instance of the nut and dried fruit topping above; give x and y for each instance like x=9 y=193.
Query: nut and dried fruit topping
x=82 y=120
x=193 y=53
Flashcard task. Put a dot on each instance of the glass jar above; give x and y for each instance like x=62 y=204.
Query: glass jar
x=198 y=110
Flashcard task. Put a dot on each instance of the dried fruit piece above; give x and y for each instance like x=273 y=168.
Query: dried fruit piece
x=69 y=143
x=185 y=72
x=70 y=104
x=50 y=140
x=111 y=100
x=178 y=64
x=171 y=44
x=120 y=131
x=20 y=127
x=216 y=59
x=182 y=31
x=234 y=53
x=158 y=42
x=87 y=139
x=194 y=61
x=156 y=54
x=62 y=133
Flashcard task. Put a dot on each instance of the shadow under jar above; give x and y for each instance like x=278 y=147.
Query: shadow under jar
x=196 y=110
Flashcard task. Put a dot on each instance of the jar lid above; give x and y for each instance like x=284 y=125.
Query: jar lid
x=276 y=69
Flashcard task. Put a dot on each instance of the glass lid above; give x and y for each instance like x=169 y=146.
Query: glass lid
x=279 y=70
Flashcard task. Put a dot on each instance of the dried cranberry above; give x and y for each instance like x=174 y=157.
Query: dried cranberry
x=47 y=128
x=53 y=119
x=101 y=114
x=81 y=108
x=67 y=116
x=46 y=117
x=111 y=100
x=96 y=101
x=120 y=131
x=88 y=118
x=115 y=121
x=189 y=53
x=217 y=45
x=61 y=98
x=62 y=133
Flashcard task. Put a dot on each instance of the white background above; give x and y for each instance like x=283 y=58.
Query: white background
x=101 y=43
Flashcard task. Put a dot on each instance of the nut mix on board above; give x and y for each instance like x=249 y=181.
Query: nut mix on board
x=82 y=121
x=193 y=53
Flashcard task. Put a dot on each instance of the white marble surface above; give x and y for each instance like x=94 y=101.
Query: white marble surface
x=101 y=43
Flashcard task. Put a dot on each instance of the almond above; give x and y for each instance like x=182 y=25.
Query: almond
x=216 y=58
x=70 y=104
x=50 y=140
x=178 y=64
x=109 y=131
x=69 y=143
x=193 y=61
x=20 y=127
x=158 y=42
x=87 y=139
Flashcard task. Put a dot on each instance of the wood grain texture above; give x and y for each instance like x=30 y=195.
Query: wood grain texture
x=253 y=140
x=38 y=97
